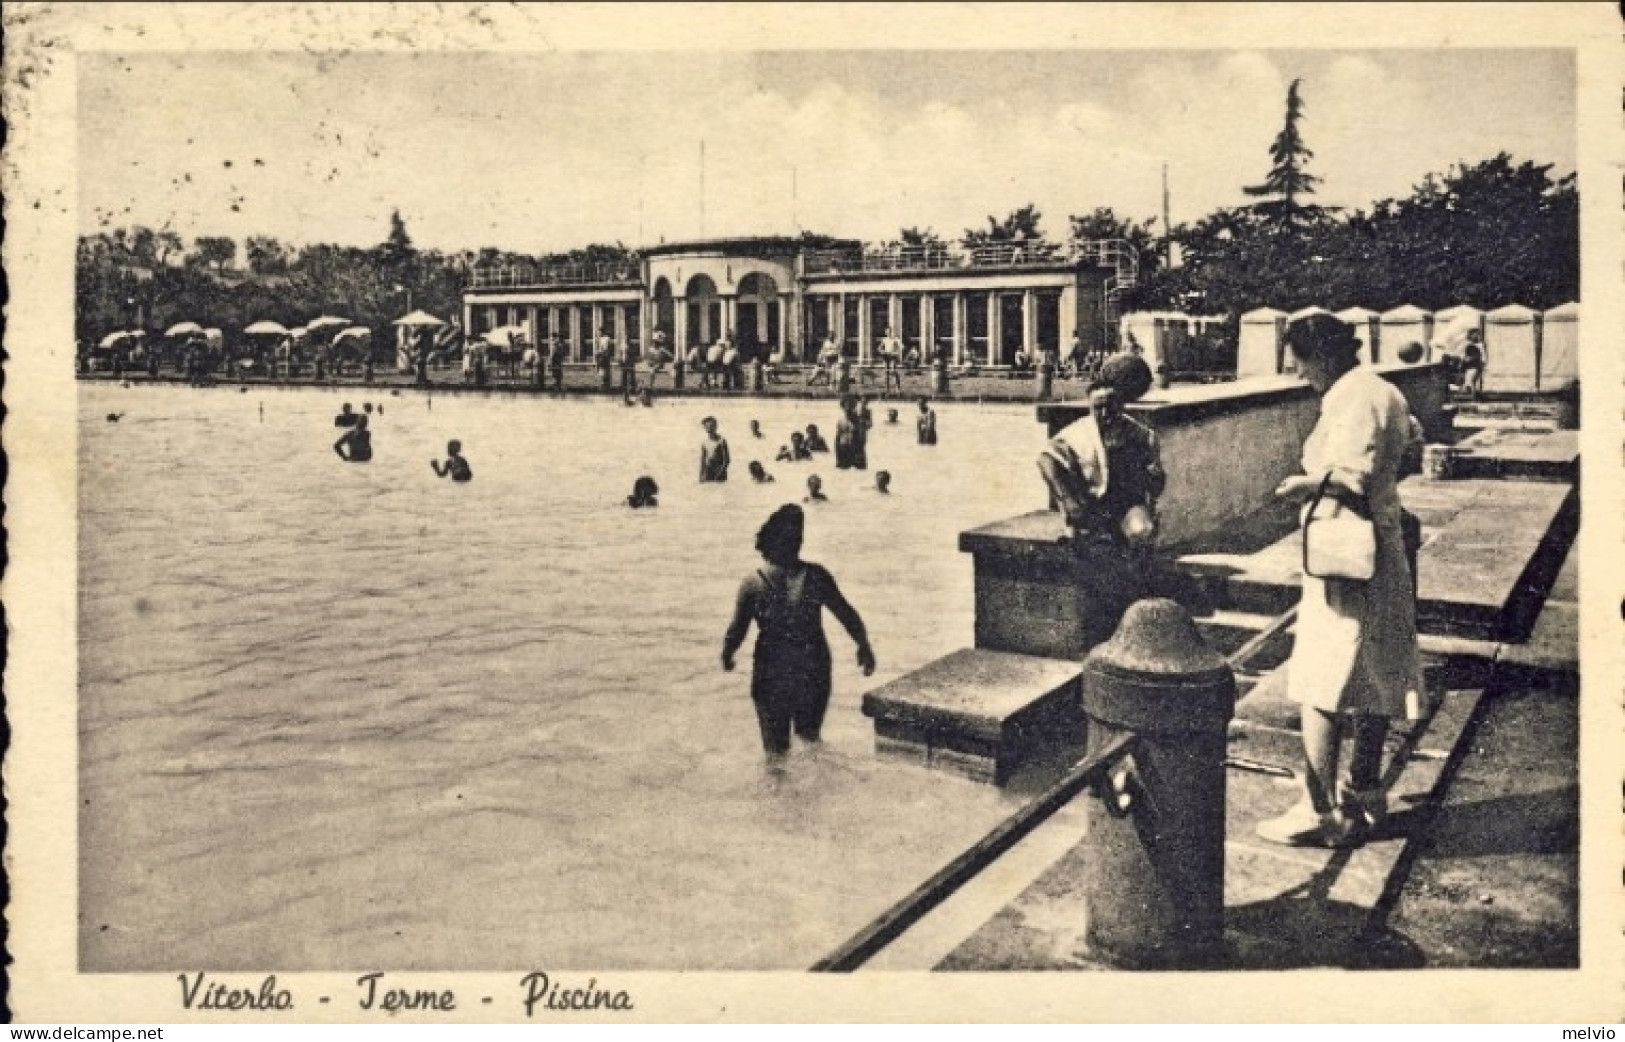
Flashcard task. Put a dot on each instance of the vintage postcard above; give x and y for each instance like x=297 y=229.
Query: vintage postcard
x=831 y=512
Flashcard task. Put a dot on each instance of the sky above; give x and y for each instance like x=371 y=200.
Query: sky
x=549 y=151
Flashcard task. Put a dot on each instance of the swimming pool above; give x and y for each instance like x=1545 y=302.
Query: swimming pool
x=347 y=716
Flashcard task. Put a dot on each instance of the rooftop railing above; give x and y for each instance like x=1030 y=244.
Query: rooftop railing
x=949 y=257
x=1111 y=253
x=527 y=276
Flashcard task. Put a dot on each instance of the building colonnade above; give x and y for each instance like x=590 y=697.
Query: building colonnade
x=983 y=326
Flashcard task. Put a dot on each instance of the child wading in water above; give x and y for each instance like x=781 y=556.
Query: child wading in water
x=455 y=466
x=790 y=673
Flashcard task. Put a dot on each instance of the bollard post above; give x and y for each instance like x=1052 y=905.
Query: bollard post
x=1155 y=877
x=1046 y=381
x=939 y=377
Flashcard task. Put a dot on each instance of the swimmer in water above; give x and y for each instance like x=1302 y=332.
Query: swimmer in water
x=455 y=466
x=755 y=429
x=891 y=416
x=646 y=398
x=713 y=453
x=798 y=447
x=815 y=441
x=815 y=490
x=785 y=455
x=926 y=424
x=883 y=482
x=785 y=598
x=644 y=493
x=355 y=444
x=346 y=416
x=758 y=473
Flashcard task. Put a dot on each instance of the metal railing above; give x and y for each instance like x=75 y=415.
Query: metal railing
x=1085 y=775
x=526 y=276
x=895 y=921
x=1113 y=253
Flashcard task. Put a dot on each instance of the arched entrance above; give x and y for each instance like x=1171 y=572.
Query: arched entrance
x=758 y=315
x=664 y=316
x=704 y=311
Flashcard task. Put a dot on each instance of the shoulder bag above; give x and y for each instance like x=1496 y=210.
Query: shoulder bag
x=1339 y=540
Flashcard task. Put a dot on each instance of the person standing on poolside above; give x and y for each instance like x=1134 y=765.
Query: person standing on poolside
x=891 y=355
x=732 y=375
x=713 y=364
x=790 y=670
x=603 y=357
x=713 y=453
x=629 y=368
x=1356 y=665
x=555 y=361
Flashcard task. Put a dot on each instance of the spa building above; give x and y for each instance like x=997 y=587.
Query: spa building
x=790 y=293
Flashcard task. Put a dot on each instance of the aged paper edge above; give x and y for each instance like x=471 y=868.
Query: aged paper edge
x=39 y=589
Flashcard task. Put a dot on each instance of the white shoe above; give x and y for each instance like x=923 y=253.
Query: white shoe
x=1303 y=826
x=1364 y=807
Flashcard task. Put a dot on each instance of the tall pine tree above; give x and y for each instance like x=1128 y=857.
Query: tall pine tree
x=1288 y=181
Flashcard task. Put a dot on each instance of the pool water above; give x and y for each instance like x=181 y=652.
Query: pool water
x=344 y=716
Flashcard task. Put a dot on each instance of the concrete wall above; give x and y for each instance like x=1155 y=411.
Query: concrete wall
x=1226 y=466
x=1227 y=446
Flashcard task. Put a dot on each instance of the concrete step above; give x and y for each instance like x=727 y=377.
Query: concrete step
x=977 y=712
x=1490 y=552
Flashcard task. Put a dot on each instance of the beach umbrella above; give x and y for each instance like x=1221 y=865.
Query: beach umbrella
x=316 y=325
x=184 y=329
x=418 y=318
x=266 y=327
x=114 y=339
x=354 y=333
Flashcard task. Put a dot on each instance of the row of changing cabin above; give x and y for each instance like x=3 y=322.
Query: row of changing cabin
x=985 y=710
x=1524 y=350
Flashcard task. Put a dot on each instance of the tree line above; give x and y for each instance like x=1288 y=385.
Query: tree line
x=1493 y=232
x=143 y=277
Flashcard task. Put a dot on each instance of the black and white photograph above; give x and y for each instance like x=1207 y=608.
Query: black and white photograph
x=582 y=513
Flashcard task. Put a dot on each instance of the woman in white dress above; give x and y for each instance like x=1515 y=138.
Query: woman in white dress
x=1355 y=664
